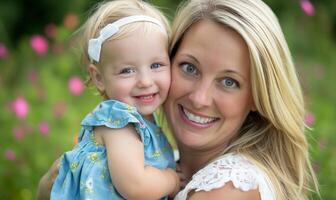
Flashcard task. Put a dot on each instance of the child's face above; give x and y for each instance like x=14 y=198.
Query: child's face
x=136 y=70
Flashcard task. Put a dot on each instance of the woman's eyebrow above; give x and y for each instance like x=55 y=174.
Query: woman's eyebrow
x=235 y=72
x=190 y=57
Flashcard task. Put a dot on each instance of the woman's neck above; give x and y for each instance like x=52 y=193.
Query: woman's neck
x=192 y=160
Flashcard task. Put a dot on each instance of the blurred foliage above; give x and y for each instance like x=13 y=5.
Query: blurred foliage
x=40 y=79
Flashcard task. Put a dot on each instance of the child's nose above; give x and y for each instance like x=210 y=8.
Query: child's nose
x=144 y=80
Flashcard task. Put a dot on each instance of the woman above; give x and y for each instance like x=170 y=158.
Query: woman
x=240 y=94
x=235 y=106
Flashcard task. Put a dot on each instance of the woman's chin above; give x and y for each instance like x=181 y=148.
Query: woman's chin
x=190 y=140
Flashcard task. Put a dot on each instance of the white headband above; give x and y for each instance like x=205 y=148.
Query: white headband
x=95 y=44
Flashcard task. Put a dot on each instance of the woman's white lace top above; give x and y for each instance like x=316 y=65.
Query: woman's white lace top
x=231 y=167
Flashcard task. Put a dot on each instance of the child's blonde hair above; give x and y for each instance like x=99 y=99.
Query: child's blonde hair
x=108 y=12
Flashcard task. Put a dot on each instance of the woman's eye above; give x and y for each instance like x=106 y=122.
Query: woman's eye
x=189 y=68
x=127 y=71
x=156 y=65
x=229 y=83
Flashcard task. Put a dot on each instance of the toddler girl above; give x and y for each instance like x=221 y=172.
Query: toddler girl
x=121 y=153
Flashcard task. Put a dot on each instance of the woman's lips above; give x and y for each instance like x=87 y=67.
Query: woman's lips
x=195 y=120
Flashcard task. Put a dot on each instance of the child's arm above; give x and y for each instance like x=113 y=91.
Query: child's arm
x=134 y=180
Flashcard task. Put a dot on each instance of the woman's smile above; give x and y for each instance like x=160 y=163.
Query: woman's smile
x=196 y=120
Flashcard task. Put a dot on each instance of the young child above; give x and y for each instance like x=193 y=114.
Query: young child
x=121 y=153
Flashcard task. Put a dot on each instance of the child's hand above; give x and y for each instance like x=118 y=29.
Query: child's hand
x=182 y=177
x=46 y=182
x=177 y=183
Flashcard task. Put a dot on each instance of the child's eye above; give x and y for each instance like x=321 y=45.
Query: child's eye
x=230 y=83
x=156 y=65
x=189 y=69
x=127 y=71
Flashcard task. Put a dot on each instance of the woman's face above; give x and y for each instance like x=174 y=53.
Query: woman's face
x=210 y=94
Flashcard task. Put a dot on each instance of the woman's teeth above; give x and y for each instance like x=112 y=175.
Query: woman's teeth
x=198 y=119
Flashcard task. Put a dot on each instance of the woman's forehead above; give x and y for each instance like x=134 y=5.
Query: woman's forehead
x=210 y=43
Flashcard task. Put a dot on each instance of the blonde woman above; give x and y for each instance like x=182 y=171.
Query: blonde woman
x=236 y=102
x=235 y=105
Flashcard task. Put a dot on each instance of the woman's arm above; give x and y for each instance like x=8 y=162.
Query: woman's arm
x=47 y=181
x=228 y=191
x=126 y=164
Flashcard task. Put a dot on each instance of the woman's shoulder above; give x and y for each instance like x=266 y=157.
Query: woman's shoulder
x=227 y=174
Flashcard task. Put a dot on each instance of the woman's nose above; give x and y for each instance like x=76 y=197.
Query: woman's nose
x=201 y=95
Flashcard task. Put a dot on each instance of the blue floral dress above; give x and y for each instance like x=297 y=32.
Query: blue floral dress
x=84 y=173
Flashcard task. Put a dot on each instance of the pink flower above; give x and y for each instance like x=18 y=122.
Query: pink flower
x=43 y=128
x=309 y=119
x=39 y=44
x=319 y=72
x=59 y=109
x=307 y=7
x=28 y=128
x=70 y=21
x=32 y=76
x=20 y=107
x=19 y=132
x=316 y=166
x=9 y=154
x=50 y=30
x=322 y=143
x=75 y=85
x=3 y=51
x=40 y=92
x=57 y=48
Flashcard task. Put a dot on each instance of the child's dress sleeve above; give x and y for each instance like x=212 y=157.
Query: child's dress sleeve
x=114 y=114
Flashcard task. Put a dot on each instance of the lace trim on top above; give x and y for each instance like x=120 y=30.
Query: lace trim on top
x=231 y=167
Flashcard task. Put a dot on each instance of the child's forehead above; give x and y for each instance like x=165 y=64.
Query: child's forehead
x=144 y=35
x=138 y=47
x=121 y=28
x=142 y=29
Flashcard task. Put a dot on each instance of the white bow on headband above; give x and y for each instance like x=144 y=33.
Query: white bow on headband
x=95 y=44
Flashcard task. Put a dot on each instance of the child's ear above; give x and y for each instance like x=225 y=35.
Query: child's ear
x=96 y=77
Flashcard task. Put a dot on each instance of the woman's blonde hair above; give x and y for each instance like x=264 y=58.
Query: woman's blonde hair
x=273 y=136
x=110 y=11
